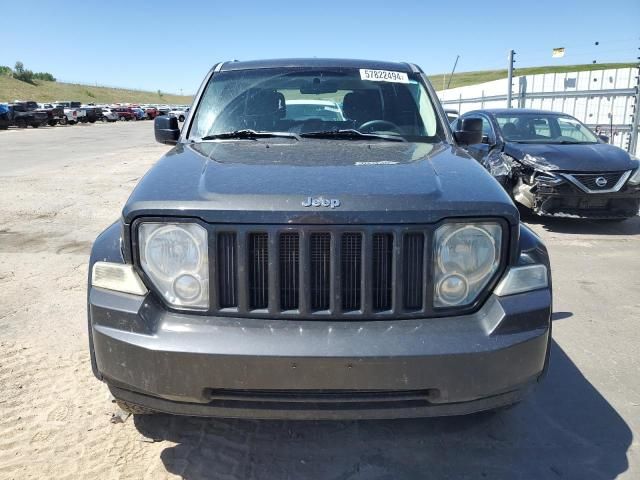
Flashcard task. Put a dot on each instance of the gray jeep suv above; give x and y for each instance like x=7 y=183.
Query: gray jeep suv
x=357 y=264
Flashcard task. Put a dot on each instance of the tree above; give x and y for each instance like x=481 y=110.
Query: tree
x=21 y=73
x=44 y=76
x=4 y=70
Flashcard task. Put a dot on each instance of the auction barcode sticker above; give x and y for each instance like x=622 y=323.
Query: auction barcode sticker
x=383 y=76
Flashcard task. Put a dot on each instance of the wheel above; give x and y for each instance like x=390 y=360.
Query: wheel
x=133 y=408
x=52 y=123
x=92 y=121
x=181 y=118
x=64 y=120
x=35 y=125
x=72 y=122
x=21 y=123
x=105 y=119
x=134 y=118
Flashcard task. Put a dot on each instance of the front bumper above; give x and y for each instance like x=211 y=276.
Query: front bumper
x=232 y=367
x=567 y=201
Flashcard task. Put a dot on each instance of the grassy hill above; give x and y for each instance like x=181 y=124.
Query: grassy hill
x=42 y=91
x=463 y=79
x=12 y=89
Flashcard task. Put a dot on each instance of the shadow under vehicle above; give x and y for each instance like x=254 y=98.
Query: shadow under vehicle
x=566 y=430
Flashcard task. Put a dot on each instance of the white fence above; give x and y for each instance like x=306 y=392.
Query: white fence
x=603 y=99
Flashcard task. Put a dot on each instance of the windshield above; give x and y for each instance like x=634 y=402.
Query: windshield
x=543 y=128
x=303 y=101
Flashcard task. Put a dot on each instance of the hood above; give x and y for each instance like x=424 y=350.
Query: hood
x=272 y=182
x=596 y=158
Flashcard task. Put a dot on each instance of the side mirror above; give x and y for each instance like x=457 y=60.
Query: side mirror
x=166 y=129
x=604 y=138
x=471 y=132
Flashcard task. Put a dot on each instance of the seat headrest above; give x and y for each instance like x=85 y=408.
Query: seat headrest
x=362 y=106
x=265 y=102
x=509 y=129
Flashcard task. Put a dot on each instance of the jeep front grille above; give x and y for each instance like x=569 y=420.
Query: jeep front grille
x=342 y=272
x=311 y=272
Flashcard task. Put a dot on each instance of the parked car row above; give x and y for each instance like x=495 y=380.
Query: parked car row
x=23 y=114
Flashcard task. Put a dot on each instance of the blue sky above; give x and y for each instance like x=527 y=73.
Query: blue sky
x=170 y=45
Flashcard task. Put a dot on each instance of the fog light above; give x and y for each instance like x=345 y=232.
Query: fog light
x=187 y=287
x=453 y=289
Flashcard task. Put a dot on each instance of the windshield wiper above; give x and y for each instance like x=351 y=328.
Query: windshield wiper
x=352 y=134
x=249 y=134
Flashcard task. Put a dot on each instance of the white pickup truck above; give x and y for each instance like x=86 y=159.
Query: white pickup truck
x=179 y=112
x=72 y=111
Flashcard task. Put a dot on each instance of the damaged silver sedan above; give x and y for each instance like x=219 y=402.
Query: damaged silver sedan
x=556 y=166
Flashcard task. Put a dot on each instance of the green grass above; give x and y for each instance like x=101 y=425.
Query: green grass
x=12 y=89
x=463 y=79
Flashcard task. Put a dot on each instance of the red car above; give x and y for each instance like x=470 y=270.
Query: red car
x=151 y=112
x=124 y=113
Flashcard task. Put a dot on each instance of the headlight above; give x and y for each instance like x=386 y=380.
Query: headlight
x=467 y=255
x=175 y=258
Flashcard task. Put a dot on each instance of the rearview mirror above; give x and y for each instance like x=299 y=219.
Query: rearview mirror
x=471 y=132
x=317 y=86
x=166 y=129
x=604 y=138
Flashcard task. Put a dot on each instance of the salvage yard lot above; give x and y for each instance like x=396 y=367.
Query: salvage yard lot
x=61 y=186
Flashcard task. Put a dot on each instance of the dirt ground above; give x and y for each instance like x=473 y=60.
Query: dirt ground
x=59 y=187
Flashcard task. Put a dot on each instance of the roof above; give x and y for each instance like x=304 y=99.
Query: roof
x=520 y=111
x=318 y=63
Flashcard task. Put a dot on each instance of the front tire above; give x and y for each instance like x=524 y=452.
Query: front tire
x=64 y=121
x=181 y=118
x=21 y=123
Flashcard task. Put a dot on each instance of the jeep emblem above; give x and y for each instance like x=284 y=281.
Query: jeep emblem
x=601 y=182
x=321 y=202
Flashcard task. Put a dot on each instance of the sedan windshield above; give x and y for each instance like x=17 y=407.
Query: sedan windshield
x=543 y=128
x=311 y=100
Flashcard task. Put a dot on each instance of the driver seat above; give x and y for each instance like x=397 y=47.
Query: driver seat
x=362 y=106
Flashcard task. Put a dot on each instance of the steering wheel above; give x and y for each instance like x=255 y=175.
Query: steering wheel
x=379 y=125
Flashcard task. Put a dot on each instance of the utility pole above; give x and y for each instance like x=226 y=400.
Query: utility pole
x=635 y=125
x=510 y=78
x=453 y=70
